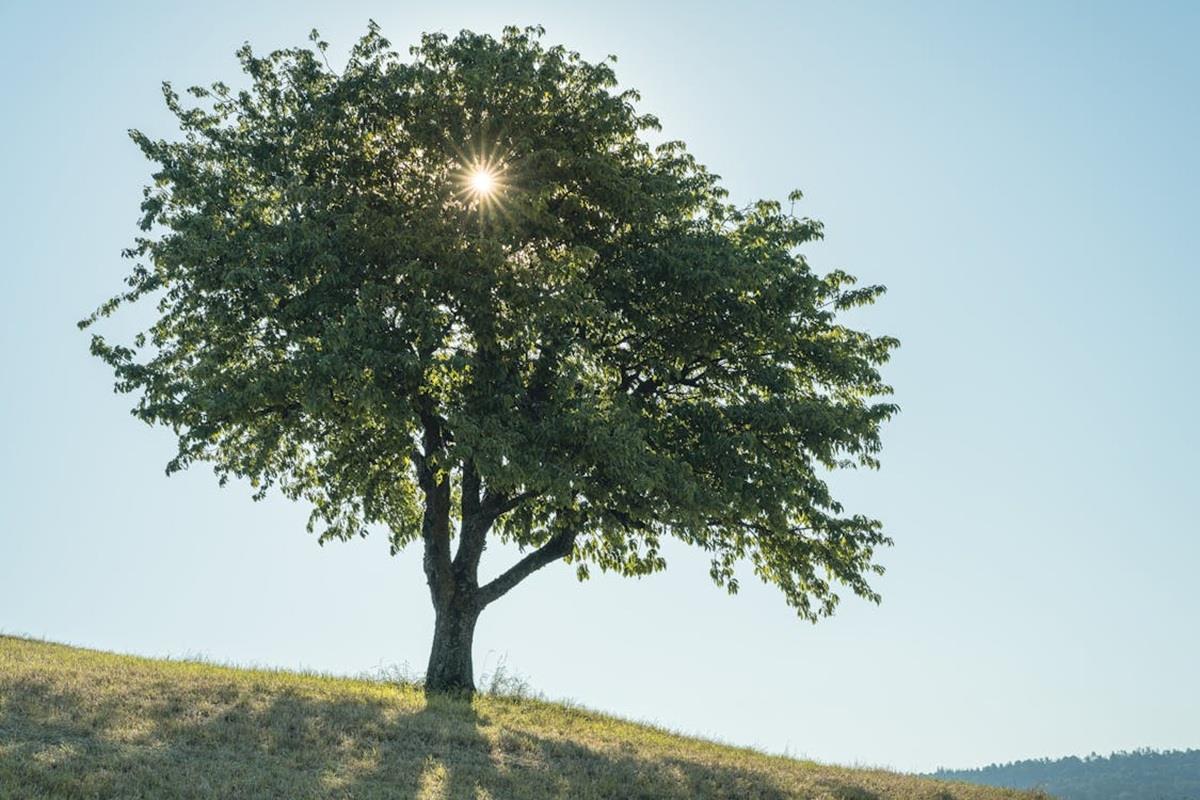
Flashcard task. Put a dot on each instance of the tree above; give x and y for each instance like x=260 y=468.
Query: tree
x=461 y=298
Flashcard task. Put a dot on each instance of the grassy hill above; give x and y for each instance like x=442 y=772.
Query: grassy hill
x=82 y=724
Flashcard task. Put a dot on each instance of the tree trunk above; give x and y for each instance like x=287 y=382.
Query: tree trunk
x=453 y=583
x=451 y=670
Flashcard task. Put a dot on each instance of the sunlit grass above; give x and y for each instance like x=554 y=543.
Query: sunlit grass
x=82 y=724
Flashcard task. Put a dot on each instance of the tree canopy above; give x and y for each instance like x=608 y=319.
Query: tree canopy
x=461 y=296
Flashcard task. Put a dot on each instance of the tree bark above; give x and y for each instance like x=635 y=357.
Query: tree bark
x=451 y=670
x=458 y=603
x=454 y=586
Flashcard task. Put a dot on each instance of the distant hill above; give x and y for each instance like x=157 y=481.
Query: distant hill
x=81 y=724
x=1140 y=775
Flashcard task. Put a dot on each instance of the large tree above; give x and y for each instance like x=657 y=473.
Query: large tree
x=459 y=297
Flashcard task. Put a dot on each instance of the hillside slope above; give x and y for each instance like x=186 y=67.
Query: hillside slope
x=82 y=724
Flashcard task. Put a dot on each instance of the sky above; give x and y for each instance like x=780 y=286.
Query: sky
x=1022 y=176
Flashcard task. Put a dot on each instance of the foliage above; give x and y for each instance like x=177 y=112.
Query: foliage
x=81 y=724
x=1139 y=775
x=601 y=352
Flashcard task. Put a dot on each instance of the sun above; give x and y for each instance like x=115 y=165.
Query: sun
x=482 y=181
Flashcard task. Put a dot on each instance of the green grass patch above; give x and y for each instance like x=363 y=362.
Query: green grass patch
x=78 y=723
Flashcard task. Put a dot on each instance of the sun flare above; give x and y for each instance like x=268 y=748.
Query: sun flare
x=482 y=181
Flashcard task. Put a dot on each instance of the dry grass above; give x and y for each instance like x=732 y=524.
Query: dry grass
x=82 y=724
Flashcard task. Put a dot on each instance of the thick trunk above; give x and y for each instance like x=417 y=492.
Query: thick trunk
x=451 y=670
x=453 y=583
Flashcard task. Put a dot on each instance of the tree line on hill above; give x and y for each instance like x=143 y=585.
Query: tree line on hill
x=1139 y=775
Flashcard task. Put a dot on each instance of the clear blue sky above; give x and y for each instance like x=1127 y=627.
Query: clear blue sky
x=1024 y=177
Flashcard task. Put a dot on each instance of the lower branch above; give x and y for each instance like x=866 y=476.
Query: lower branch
x=559 y=546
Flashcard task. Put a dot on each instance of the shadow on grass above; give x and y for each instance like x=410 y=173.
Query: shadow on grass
x=248 y=742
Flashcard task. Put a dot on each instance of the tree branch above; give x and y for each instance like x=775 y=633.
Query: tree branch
x=480 y=510
x=559 y=546
x=435 y=531
x=476 y=522
x=499 y=504
x=435 y=525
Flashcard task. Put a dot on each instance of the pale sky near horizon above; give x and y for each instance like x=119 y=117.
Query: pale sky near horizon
x=1022 y=176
